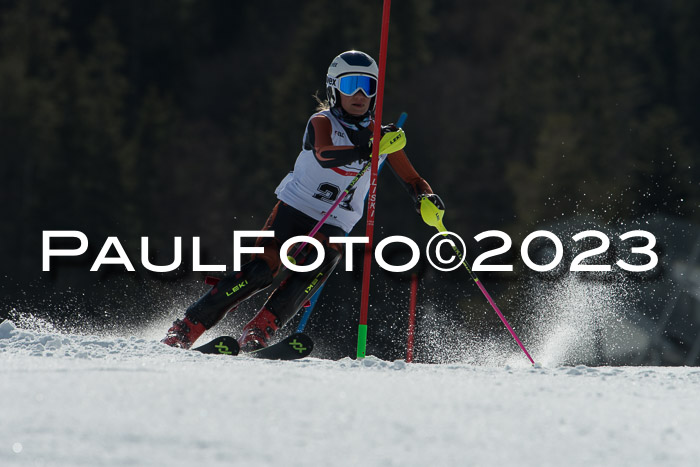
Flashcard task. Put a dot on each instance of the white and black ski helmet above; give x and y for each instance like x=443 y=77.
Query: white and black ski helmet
x=352 y=63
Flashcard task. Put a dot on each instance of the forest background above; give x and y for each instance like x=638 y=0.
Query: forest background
x=167 y=118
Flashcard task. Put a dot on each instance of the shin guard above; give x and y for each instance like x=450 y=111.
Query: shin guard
x=229 y=292
x=299 y=287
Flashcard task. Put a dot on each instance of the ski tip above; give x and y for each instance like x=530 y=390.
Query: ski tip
x=222 y=345
x=302 y=339
x=293 y=347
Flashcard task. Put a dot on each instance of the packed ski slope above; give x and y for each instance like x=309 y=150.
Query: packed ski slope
x=70 y=400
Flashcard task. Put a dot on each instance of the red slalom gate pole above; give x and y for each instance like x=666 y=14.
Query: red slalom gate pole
x=372 y=198
x=411 y=319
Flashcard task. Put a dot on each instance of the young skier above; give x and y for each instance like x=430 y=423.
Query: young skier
x=336 y=145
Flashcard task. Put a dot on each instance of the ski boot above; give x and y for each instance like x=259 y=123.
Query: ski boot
x=183 y=333
x=258 y=331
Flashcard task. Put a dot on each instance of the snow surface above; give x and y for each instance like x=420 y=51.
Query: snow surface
x=77 y=400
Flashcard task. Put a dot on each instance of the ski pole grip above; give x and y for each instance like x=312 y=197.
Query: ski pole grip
x=431 y=214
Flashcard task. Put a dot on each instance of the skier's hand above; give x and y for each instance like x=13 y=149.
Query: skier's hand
x=389 y=127
x=393 y=139
x=432 y=198
x=361 y=138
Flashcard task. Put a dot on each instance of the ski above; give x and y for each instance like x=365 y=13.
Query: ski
x=296 y=346
x=223 y=345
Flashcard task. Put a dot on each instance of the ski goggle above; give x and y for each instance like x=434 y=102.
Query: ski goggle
x=350 y=84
